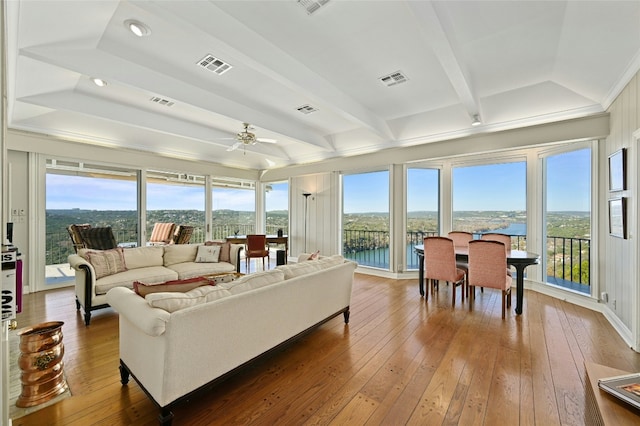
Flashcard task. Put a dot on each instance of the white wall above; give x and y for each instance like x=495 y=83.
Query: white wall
x=619 y=262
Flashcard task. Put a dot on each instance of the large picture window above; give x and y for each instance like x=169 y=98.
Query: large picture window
x=491 y=198
x=567 y=219
x=423 y=212
x=365 y=218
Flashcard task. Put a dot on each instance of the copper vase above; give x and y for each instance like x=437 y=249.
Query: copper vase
x=41 y=352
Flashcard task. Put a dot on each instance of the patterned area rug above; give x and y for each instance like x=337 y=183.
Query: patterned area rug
x=15 y=387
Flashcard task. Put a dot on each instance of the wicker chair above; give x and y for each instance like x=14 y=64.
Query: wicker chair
x=76 y=238
x=183 y=234
x=100 y=238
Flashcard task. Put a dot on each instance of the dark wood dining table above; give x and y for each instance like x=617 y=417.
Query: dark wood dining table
x=519 y=259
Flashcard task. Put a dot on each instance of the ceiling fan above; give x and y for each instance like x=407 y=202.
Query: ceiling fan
x=245 y=137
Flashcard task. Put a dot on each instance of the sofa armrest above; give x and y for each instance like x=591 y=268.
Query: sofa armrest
x=136 y=310
x=234 y=254
x=85 y=280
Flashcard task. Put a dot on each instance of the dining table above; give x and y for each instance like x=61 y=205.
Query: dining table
x=519 y=259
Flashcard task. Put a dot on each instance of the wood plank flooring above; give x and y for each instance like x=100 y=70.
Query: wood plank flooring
x=400 y=360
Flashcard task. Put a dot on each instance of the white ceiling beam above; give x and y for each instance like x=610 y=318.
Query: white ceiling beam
x=77 y=57
x=270 y=61
x=434 y=35
x=106 y=110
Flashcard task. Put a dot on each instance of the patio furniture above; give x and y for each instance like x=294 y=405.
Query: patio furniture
x=183 y=234
x=162 y=233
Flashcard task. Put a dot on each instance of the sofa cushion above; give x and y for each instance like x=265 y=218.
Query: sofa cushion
x=208 y=254
x=106 y=262
x=192 y=269
x=172 y=302
x=253 y=281
x=141 y=257
x=181 y=286
x=225 y=250
x=179 y=253
x=150 y=274
x=296 y=269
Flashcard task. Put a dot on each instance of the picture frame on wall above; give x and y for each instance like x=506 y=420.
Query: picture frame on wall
x=618 y=217
x=617 y=170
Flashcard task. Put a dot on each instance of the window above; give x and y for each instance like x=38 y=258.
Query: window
x=365 y=218
x=491 y=198
x=277 y=208
x=176 y=198
x=77 y=193
x=567 y=219
x=423 y=211
x=234 y=208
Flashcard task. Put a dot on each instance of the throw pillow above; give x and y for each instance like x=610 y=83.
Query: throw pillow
x=225 y=250
x=106 y=262
x=181 y=286
x=314 y=256
x=208 y=254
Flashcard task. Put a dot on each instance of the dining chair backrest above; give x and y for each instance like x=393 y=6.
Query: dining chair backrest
x=503 y=238
x=440 y=259
x=488 y=265
x=460 y=238
x=256 y=243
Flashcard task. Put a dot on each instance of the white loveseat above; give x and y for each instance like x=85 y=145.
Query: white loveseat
x=154 y=264
x=170 y=344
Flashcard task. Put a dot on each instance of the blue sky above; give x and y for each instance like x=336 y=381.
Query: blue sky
x=493 y=187
x=68 y=192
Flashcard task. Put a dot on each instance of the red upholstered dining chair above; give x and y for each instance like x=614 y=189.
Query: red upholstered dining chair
x=488 y=268
x=440 y=264
x=162 y=233
x=256 y=247
x=503 y=238
x=461 y=239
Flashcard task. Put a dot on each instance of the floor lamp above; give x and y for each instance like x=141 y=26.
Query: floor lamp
x=306 y=199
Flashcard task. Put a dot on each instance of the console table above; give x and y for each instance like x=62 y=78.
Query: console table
x=271 y=239
x=602 y=408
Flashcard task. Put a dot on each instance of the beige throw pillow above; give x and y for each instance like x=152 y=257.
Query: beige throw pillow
x=208 y=254
x=106 y=262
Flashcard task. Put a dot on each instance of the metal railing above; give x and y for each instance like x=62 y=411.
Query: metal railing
x=568 y=259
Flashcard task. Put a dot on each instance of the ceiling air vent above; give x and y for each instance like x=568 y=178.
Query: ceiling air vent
x=306 y=109
x=312 y=6
x=393 y=79
x=214 y=64
x=161 y=101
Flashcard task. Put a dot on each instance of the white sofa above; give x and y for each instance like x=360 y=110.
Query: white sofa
x=175 y=344
x=153 y=264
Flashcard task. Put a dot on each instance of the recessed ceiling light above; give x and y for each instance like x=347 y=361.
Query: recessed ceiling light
x=137 y=27
x=99 y=82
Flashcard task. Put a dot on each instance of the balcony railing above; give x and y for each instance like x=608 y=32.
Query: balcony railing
x=568 y=259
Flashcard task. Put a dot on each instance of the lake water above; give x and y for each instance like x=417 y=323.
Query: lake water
x=379 y=258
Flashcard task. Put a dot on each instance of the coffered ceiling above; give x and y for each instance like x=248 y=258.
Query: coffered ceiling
x=512 y=63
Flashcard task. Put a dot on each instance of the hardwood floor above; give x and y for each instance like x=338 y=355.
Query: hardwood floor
x=400 y=360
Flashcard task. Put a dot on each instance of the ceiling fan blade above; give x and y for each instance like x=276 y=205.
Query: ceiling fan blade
x=234 y=146
x=265 y=140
